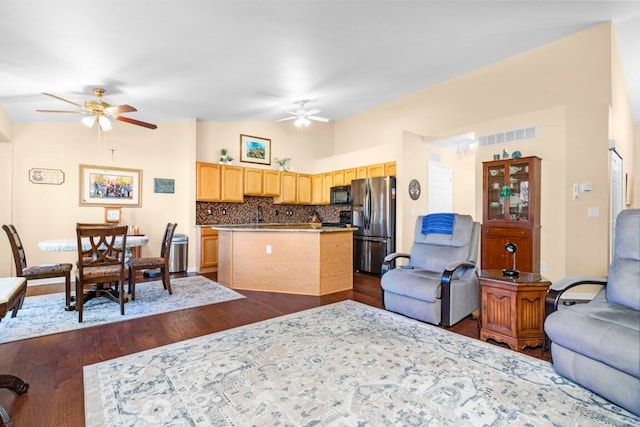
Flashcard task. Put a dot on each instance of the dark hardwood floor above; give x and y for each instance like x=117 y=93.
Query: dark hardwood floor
x=52 y=365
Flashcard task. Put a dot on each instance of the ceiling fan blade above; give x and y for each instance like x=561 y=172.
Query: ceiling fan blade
x=312 y=112
x=62 y=99
x=120 y=109
x=286 y=118
x=136 y=122
x=318 y=119
x=58 y=111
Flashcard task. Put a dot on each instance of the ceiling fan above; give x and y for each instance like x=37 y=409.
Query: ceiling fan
x=96 y=110
x=302 y=116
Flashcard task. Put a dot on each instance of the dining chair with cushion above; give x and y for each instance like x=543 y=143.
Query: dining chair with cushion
x=161 y=262
x=101 y=260
x=47 y=271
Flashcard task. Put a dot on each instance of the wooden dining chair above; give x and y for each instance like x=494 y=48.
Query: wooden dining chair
x=101 y=262
x=161 y=262
x=38 y=272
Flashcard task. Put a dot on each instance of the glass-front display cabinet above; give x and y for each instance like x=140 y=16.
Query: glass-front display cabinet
x=511 y=213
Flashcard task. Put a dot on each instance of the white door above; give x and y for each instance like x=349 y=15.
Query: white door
x=617 y=195
x=439 y=188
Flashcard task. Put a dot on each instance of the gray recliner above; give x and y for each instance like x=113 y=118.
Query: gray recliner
x=440 y=283
x=597 y=344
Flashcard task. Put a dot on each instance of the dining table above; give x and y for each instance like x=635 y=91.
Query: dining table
x=133 y=242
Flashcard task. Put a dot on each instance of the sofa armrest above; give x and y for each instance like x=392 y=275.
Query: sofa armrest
x=561 y=286
x=389 y=261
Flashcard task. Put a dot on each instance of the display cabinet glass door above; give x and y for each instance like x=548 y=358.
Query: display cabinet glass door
x=508 y=192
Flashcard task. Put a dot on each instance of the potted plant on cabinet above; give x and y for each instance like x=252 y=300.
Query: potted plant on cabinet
x=283 y=163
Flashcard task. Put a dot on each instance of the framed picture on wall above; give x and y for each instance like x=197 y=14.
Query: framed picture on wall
x=254 y=149
x=110 y=186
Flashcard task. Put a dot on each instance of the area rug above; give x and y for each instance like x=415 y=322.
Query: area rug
x=342 y=364
x=45 y=314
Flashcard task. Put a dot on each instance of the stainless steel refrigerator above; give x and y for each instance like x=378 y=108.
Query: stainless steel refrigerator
x=373 y=205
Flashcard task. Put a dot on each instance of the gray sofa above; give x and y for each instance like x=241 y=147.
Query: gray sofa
x=597 y=344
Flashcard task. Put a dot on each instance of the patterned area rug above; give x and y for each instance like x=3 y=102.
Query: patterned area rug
x=45 y=314
x=343 y=364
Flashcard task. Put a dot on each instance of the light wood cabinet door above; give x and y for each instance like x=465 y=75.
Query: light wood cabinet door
x=271 y=183
x=207 y=182
x=316 y=189
x=304 y=189
x=208 y=249
x=327 y=183
x=361 y=172
x=390 y=169
x=288 y=188
x=350 y=175
x=232 y=179
x=375 y=170
x=253 y=182
x=338 y=178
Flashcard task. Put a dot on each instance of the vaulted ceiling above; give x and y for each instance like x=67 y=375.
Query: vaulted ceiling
x=247 y=60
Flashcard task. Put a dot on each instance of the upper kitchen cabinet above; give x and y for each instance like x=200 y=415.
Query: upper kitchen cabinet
x=304 y=189
x=511 y=213
x=232 y=183
x=375 y=170
x=337 y=178
x=270 y=182
x=288 y=188
x=253 y=182
x=390 y=169
x=350 y=175
x=207 y=182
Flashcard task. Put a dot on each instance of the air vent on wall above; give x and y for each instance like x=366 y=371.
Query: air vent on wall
x=509 y=136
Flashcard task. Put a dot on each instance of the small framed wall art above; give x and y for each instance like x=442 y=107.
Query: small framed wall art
x=254 y=149
x=113 y=214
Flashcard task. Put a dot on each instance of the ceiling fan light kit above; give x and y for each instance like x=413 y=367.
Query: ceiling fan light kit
x=100 y=111
x=302 y=116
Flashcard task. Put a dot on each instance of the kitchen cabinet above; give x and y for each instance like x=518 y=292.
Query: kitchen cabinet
x=253 y=182
x=350 y=175
x=317 y=189
x=207 y=182
x=375 y=170
x=511 y=213
x=390 y=169
x=271 y=183
x=208 y=250
x=338 y=178
x=361 y=172
x=303 y=189
x=288 y=188
x=232 y=183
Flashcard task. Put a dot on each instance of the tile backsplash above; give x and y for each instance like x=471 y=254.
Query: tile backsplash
x=247 y=212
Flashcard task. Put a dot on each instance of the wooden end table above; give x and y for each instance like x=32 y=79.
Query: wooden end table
x=512 y=308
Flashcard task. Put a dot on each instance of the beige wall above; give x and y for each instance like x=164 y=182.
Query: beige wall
x=565 y=88
x=571 y=89
x=42 y=212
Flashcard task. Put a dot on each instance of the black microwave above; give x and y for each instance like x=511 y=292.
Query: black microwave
x=341 y=195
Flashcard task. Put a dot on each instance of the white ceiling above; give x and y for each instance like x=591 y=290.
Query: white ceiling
x=242 y=60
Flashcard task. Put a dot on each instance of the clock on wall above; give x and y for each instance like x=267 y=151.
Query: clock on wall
x=414 y=189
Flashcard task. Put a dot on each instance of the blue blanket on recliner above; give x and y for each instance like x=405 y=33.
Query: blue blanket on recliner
x=439 y=223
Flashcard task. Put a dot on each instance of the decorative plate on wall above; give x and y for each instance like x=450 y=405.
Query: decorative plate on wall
x=414 y=189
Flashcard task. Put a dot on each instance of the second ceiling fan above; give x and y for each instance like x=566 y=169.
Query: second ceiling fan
x=96 y=110
x=302 y=116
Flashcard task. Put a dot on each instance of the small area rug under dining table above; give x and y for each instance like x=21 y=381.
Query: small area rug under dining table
x=344 y=364
x=45 y=314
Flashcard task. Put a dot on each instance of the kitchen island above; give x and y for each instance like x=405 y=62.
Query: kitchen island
x=290 y=258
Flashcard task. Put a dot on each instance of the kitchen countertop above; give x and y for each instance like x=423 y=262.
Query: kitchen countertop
x=299 y=227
